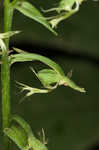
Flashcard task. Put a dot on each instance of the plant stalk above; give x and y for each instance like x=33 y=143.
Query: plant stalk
x=5 y=74
x=5 y=81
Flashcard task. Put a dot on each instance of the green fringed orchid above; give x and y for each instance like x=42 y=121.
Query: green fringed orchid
x=23 y=136
x=50 y=77
x=65 y=9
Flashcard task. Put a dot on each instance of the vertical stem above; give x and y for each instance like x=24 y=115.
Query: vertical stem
x=5 y=80
x=8 y=14
x=5 y=73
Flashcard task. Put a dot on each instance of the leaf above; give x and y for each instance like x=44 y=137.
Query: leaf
x=30 y=11
x=18 y=136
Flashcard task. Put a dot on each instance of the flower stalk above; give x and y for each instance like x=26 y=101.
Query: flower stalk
x=5 y=73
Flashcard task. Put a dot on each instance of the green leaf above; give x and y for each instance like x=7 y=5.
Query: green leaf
x=30 y=11
x=63 y=80
x=18 y=136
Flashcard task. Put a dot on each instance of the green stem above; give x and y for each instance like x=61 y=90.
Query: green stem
x=5 y=73
x=5 y=80
x=8 y=15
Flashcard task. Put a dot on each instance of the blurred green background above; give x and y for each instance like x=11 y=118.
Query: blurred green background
x=70 y=119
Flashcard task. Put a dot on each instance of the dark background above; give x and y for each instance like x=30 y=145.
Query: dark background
x=70 y=119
